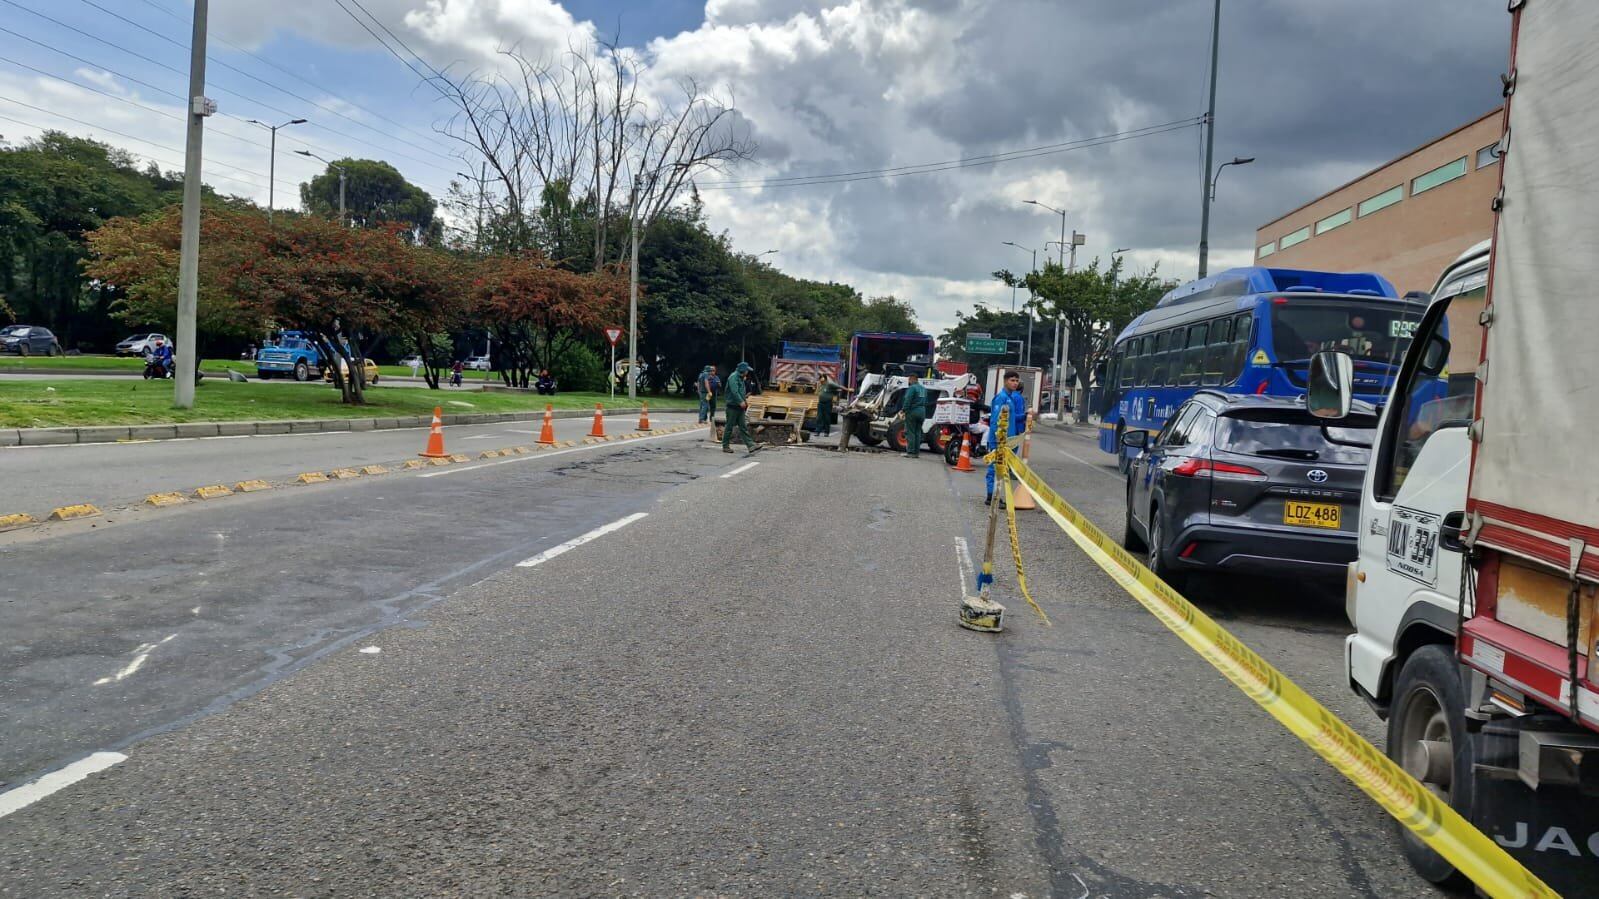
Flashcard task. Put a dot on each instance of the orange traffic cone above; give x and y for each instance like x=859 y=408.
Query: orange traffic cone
x=964 y=463
x=1023 y=497
x=547 y=433
x=435 y=448
x=644 y=418
x=599 y=422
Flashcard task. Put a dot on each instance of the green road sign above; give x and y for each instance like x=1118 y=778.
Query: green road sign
x=991 y=346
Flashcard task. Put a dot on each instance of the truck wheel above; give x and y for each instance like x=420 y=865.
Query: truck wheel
x=264 y=375
x=1427 y=737
x=865 y=436
x=302 y=372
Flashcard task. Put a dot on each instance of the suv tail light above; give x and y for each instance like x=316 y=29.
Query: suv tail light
x=1205 y=468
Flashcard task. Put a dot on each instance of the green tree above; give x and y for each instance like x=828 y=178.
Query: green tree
x=55 y=189
x=375 y=193
x=886 y=314
x=1094 y=303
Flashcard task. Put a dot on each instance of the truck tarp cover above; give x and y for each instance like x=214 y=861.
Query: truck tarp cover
x=1540 y=400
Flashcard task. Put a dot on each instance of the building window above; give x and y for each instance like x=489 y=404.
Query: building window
x=1488 y=155
x=1381 y=201
x=1298 y=237
x=1266 y=249
x=1336 y=220
x=1440 y=175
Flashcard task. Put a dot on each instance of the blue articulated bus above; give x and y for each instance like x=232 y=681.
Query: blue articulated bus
x=1252 y=330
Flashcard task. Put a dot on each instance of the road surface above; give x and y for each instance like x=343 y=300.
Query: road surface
x=709 y=677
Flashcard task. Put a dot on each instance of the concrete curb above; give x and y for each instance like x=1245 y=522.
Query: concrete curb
x=119 y=433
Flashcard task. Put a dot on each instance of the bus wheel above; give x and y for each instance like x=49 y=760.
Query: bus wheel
x=1427 y=737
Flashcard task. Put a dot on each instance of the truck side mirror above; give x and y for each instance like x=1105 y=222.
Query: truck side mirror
x=1332 y=381
x=1135 y=439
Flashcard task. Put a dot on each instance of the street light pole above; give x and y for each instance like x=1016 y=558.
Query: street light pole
x=272 y=161
x=1029 y=345
x=1237 y=160
x=1210 y=146
x=343 y=221
x=189 y=244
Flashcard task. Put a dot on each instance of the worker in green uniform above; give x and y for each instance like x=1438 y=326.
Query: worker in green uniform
x=914 y=404
x=825 y=395
x=737 y=403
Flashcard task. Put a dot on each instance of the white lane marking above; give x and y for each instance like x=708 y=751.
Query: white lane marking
x=575 y=542
x=483 y=437
x=742 y=468
x=1098 y=469
x=548 y=453
x=963 y=559
x=370 y=650
x=142 y=654
x=29 y=793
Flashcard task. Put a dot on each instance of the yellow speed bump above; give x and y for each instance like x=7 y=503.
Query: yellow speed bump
x=165 y=499
x=7 y=522
x=77 y=510
x=460 y=457
x=1471 y=851
x=251 y=486
x=214 y=491
x=344 y=474
x=411 y=464
x=489 y=454
x=439 y=460
x=312 y=477
x=521 y=450
x=374 y=469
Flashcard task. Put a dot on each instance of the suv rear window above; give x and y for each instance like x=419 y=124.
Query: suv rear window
x=1291 y=440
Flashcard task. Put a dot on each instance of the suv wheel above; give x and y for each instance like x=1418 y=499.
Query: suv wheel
x=1427 y=737
x=22 y=348
x=1157 y=552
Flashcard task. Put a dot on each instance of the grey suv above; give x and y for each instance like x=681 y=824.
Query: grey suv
x=1247 y=484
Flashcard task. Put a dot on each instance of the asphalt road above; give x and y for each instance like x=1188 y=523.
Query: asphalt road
x=757 y=688
x=112 y=475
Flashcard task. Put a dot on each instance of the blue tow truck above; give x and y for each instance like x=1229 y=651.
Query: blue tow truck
x=289 y=354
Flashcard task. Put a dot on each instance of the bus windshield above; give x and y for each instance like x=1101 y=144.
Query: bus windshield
x=1370 y=332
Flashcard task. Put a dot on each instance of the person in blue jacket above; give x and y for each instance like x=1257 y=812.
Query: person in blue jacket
x=1010 y=397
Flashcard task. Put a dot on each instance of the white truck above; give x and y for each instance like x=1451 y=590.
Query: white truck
x=1473 y=593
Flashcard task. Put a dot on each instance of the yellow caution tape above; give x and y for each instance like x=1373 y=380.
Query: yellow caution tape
x=1016 y=542
x=1441 y=827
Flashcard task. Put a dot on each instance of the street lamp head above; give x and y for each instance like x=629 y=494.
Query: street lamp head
x=296 y=121
x=1243 y=160
x=306 y=153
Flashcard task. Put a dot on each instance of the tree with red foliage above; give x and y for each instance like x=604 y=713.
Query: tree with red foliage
x=536 y=312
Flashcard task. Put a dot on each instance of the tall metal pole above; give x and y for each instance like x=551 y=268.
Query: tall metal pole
x=632 y=309
x=272 y=174
x=1210 y=147
x=189 y=246
x=343 y=223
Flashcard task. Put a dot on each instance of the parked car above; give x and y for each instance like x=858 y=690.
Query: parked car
x=478 y=363
x=412 y=362
x=28 y=340
x=344 y=370
x=136 y=345
x=1247 y=484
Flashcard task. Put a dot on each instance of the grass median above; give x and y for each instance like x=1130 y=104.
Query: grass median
x=70 y=403
x=106 y=365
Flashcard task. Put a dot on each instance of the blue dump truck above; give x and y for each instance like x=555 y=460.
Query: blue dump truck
x=289 y=354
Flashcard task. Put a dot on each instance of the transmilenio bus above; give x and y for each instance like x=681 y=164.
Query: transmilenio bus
x=1252 y=330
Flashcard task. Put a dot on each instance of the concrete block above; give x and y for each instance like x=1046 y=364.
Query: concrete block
x=336 y=424
x=152 y=432
x=10 y=437
x=305 y=427
x=272 y=427
x=451 y=418
x=237 y=428
x=388 y=424
x=48 y=436
x=198 y=429
x=363 y=424
x=102 y=434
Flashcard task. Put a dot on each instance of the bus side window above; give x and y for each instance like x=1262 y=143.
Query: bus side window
x=1127 y=370
x=1240 y=347
x=1221 y=333
x=1145 y=360
x=1174 y=355
x=1193 y=356
x=1157 y=373
x=1108 y=374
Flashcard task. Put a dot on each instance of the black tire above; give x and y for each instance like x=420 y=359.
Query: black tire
x=1157 y=553
x=263 y=375
x=22 y=349
x=374 y=381
x=895 y=439
x=302 y=371
x=1130 y=539
x=942 y=437
x=864 y=435
x=53 y=350
x=952 y=452
x=1430 y=703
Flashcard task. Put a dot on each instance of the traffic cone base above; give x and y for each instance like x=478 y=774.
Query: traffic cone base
x=599 y=422
x=547 y=433
x=435 y=447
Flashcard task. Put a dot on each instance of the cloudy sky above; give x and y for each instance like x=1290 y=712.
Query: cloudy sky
x=1318 y=91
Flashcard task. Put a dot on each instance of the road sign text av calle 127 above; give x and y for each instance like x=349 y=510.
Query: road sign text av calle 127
x=993 y=346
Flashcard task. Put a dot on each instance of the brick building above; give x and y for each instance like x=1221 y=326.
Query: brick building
x=1405 y=220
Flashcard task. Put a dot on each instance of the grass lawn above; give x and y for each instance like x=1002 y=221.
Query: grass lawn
x=104 y=364
x=67 y=402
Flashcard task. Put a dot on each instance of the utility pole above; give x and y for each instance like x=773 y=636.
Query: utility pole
x=1210 y=146
x=632 y=302
x=189 y=246
x=272 y=161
